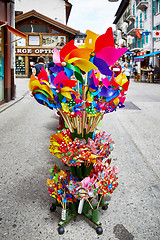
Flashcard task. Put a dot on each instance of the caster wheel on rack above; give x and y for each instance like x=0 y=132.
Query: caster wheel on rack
x=99 y=230
x=52 y=208
x=105 y=207
x=61 y=230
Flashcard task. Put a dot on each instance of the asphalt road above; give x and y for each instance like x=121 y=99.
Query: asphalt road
x=134 y=207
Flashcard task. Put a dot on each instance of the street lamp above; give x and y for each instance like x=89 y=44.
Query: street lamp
x=113 y=0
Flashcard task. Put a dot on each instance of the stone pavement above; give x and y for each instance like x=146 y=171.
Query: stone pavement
x=133 y=212
x=21 y=91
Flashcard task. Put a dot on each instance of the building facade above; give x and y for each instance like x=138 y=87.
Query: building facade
x=7 y=84
x=135 y=21
x=80 y=39
x=43 y=34
x=58 y=10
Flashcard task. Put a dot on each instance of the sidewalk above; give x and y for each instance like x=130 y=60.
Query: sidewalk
x=21 y=90
x=25 y=203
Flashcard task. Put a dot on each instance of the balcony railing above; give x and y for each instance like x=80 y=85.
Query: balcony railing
x=119 y=26
x=141 y=4
x=125 y=16
x=135 y=45
x=131 y=17
x=131 y=29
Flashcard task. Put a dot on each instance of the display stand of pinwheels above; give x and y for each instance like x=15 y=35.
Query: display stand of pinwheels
x=82 y=88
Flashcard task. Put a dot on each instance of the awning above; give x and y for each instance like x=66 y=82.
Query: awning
x=148 y=55
x=12 y=30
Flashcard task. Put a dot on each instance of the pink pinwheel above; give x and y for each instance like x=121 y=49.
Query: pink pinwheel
x=115 y=170
x=105 y=51
x=91 y=144
x=62 y=79
x=70 y=54
x=87 y=181
x=110 y=54
x=59 y=56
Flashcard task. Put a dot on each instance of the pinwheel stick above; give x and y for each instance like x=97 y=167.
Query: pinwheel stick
x=84 y=100
x=67 y=120
x=96 y=122
x=92 y=126
x=73 y=122
x=89 y=125
x=100 y=117
x=62 y=204
x=99 y=202
x=89 y=203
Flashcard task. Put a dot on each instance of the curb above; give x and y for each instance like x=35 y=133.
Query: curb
x=12 y=102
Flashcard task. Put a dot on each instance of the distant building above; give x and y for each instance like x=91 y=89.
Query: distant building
x=58 y=10
x=135 y=17
x=7 y=53
x=43 y=35
x=80 y=39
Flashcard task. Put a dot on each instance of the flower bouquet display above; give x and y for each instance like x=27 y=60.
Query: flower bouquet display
x=82 y=88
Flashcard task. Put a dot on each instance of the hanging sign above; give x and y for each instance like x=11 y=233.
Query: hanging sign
x=141 y=53
x=28 y=51
x=146 y=33
x=138 y=33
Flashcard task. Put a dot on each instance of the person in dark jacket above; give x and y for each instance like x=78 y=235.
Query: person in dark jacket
x=38 y=66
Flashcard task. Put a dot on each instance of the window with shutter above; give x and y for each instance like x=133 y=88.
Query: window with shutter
x=137 y=22
x=145 y=14
x=140 y=20
x=154 y=7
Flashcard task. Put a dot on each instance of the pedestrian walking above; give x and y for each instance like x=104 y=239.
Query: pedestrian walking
x=38 y=66
x=116 y=68
x=127 y=71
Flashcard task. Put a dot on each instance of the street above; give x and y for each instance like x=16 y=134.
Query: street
x=134 y=207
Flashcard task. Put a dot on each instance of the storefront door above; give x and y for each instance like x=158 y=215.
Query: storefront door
x=32 y=62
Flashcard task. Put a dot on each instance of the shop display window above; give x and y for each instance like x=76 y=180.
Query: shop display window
x=34 y=41
x=20 y=65
x=53 y=41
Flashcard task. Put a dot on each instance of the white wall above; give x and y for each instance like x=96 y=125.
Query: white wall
x=54 y=9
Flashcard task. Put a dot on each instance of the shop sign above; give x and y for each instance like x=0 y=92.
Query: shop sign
x=28 y=51
x=139 y=60
x=142 y=53
x=138 y=33
x=156 y=34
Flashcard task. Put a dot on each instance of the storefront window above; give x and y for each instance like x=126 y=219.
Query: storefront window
x=33 y=28
x=20 y=65
x=137 y=22
x=133 y=9
x=145 y=14
x=20 y=42
x=53 y=41
x=34 y=40
x=54 y=31
x=1 y=65
x=140 y=20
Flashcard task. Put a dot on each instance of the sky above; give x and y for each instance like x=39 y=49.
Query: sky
x=94 y=15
